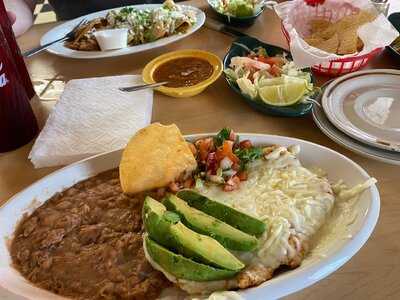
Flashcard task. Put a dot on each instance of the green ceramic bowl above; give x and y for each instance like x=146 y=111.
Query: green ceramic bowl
x=296 y=110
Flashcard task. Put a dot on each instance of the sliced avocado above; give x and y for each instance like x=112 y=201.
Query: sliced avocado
x=166 y=229
x=224 y=213
x=198 y=221
x=182 y=267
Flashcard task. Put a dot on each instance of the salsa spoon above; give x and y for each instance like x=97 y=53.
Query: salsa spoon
x=142 y=86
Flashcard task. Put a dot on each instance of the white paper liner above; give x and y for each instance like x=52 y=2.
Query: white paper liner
x=296 y=15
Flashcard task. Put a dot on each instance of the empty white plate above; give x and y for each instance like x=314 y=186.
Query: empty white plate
x=366 y=106
x=387 y=156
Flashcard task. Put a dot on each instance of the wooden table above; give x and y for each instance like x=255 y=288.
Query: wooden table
x=372 y=274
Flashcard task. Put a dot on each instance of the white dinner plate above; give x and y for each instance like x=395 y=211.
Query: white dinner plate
x=366 y=106
x=337 y=251
x=387 y=156
x=61 y=30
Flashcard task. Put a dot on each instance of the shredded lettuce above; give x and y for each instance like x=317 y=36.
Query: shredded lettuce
x=237 y=8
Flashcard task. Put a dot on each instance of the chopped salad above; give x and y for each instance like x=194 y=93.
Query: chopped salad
x=274 y=80
x=237 y=8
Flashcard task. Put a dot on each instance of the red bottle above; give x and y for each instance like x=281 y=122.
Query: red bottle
x=5 y=24
x=18 y=124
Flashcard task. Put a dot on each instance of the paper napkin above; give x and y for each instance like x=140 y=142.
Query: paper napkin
x=92 y=116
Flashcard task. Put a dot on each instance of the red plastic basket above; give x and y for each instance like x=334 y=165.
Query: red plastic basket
x=340 y=66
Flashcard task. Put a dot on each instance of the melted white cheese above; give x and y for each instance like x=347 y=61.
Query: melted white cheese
x=291 y=199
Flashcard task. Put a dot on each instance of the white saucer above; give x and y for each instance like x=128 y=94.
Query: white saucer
x=366 y=106
x=387 y=156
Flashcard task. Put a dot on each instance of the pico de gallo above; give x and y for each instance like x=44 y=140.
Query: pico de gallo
x=221 y=160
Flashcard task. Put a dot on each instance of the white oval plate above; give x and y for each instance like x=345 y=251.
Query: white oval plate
x=313 y=268
x=366 y=106
x=61 y=30
x=386 y=156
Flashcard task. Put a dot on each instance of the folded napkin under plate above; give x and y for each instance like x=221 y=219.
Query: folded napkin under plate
x=92 y=116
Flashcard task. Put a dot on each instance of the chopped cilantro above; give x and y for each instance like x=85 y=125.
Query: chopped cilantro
x=248 y=155
x=222 y=136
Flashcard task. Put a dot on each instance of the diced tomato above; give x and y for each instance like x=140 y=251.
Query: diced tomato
x=205 y=146
x=174 y=187
x=188 y=183
x=246 y=144
x=232 y=184
x=275 y=71
x=242 y=175
x=226 y=151
x=275 y=60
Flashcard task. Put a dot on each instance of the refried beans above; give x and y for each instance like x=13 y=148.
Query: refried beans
x=86 y=243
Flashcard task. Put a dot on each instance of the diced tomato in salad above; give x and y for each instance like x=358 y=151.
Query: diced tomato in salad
x=275 y=60
x=255 y=63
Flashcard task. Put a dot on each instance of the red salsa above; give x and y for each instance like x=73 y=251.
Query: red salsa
x=185 y=71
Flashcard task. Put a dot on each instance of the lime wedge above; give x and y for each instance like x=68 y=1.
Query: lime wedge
x=271 y=81
x=284 y=94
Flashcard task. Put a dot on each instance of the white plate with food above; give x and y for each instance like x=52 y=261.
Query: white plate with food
x=259 y=202
x=149 y=26
x=365 y=105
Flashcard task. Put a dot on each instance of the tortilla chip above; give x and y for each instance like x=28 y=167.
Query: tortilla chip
x=365 y=17
x=319 y=25
x=348 y=42
x=314 y=41
x=347 y=22
x=360 y=45
x=330 y=45
x=340 y=37
x=327 y=33
x=154 y=157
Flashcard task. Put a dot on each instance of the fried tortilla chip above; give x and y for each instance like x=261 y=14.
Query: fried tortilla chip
x=347 y=22
x=314 y=41
x=327 y=33
x=365 y=17
x=341 y=35
x=319 y=24
x=360 y=45
x=154 y=157
x=348 y=42
x=331 y=45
